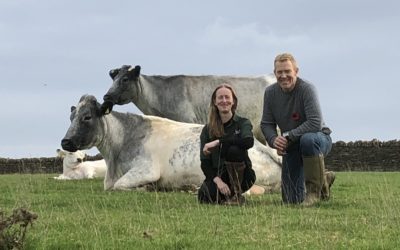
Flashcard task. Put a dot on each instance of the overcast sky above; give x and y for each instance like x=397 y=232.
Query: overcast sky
x=53 y=52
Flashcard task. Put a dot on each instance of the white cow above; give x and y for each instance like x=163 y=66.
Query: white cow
x=74 y=168
x=185 y=98
x=141 y=150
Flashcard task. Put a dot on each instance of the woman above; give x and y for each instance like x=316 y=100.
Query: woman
x=224 y=144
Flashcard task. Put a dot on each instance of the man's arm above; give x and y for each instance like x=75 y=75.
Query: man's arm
x=268 y=123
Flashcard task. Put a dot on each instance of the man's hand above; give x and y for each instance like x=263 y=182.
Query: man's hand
x=208 y=147
x=280 y=144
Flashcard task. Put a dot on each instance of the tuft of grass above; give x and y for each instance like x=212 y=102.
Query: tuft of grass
x=363 y=213
x=13 y=228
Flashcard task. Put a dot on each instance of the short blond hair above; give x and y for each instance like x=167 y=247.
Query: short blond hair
x=285 y=57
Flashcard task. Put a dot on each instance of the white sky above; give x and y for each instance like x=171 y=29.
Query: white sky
x=53 y=52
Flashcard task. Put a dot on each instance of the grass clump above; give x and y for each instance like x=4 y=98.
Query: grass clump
x=13 y=228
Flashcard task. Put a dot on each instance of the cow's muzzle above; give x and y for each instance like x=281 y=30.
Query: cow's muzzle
x=107 y=105
x=68 y=145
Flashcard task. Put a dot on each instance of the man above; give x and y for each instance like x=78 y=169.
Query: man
x=292 y=105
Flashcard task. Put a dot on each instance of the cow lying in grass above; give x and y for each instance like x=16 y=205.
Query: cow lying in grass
x=141 y=150
x=74 y=168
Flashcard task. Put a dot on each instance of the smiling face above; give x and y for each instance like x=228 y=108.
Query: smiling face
x=286 y=74
x=224 y=100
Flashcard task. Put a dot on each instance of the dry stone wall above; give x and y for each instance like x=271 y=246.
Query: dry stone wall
x=364 y=156
x=35 y=165
x=351 y=156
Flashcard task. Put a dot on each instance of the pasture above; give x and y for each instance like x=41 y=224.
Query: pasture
x=364 y=213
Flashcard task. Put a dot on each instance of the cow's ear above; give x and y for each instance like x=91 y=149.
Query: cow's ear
x=137 y=71
x=113 y=73
x=134 y=72
x=60 y=153
x=102 y=109
x=73 y=108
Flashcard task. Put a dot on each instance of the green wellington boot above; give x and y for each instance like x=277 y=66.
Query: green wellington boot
x=326 y=187
x=314 y=176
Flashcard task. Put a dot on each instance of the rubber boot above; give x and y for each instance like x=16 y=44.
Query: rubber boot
x=235 y=173
x=326 y=188
x=314 y=169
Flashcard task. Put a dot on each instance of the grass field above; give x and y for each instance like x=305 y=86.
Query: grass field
x=364 y=213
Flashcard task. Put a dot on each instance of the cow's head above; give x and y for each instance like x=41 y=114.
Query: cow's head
x=71 y=159
x=124 y=88
x=84 y=131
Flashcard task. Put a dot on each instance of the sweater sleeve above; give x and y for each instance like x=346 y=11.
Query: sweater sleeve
x=245 y=140
x=206 y=161
x=268 y=122
x=244 y=143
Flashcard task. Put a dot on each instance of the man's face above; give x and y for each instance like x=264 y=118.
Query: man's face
x=286 y=75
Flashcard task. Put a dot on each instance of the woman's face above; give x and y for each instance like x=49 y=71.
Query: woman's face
x=224 y=100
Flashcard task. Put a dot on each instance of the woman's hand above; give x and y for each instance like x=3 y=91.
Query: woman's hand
x=222 y=187
x=208 y=147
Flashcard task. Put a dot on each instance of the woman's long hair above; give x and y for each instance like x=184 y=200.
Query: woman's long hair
x=215 y=126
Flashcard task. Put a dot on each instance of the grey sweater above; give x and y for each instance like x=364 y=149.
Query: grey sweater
x=297 y=112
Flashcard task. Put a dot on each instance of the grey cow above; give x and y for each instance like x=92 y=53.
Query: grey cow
x=185 y=98
x=141 y=150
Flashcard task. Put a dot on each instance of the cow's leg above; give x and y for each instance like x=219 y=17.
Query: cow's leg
x=136 y=177
x=62 y=177
x=88 y=172
x=108 y=181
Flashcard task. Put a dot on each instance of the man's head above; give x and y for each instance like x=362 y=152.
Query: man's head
x=285 y=70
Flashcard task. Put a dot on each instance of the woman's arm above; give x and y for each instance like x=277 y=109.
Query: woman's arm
x=206 y=162
x=245 y=140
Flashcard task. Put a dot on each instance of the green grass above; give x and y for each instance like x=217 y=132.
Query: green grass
x=364 y=213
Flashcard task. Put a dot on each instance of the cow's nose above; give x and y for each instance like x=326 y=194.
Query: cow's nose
x=68 y=145
x=108 y=98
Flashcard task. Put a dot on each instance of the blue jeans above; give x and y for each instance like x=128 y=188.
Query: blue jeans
x=310 y=144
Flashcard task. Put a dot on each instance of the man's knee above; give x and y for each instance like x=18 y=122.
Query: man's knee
x=309 y=144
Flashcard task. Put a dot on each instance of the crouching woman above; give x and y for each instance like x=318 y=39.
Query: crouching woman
x=225 y=140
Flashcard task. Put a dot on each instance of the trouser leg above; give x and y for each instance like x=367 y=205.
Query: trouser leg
x=292 y=178
x=208 y=193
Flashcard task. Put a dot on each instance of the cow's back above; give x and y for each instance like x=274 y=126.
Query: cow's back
x=186 y=98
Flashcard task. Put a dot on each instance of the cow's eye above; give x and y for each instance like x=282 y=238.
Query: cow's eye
x=124 y=79
x=87 y=118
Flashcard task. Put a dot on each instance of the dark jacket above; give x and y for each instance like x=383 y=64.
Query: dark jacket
x=237 y=131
